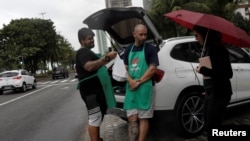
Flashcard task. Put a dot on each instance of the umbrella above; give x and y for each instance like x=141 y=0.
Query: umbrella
x=230 y=33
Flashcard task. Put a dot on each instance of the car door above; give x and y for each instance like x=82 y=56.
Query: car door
x=26 y=77
x=240 y=61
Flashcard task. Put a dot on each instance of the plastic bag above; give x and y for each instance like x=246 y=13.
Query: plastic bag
x=119 y=72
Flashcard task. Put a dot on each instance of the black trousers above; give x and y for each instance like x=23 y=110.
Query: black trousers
x=215 y=105
x=93 y=95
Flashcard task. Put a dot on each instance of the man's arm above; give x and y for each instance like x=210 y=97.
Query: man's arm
x=95 y=65
x=148 y=74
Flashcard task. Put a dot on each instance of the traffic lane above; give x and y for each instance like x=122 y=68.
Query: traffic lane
x=54 y=113
x=10 y=95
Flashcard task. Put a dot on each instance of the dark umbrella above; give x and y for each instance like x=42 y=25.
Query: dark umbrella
x=230 y=33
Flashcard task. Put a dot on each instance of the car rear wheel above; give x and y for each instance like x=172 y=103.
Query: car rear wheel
x=189 y=114
x=24 y=87
x=34 y=85
x=1 y=92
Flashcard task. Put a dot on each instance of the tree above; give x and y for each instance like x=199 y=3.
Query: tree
x=167 y=28
x=64 y=52
x=35 y=40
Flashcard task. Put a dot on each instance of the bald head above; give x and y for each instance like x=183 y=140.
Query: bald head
x=140 y=34
x=140 y=27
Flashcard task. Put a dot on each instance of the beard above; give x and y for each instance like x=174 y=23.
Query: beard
x=90 y=46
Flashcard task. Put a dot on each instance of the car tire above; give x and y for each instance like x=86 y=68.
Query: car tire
x=189 y=114
x=1 y=92
x=34 y=85
x=24 y=87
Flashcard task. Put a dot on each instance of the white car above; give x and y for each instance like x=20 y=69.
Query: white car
x=16 y=80
x=181 y=88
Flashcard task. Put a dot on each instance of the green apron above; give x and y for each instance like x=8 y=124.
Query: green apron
x=142 y=96
x=105 y=80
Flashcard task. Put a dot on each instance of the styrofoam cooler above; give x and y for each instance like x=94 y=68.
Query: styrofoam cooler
x=114 y=128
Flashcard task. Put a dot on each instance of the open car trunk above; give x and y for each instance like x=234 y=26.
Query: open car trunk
x=119 y=23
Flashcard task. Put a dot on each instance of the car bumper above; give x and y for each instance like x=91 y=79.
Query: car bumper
x=10 y=87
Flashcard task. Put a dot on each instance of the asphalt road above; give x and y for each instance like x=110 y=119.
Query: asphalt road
x=52 y=112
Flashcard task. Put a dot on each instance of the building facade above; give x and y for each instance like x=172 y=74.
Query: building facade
x=244 y=9
x=147 y=4
x=118 y=3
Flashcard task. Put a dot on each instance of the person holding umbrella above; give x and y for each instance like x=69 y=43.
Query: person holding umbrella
x=217 y=83
x=213 y=32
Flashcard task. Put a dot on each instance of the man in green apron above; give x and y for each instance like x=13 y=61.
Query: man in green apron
x=141 y=61
x=94 y=82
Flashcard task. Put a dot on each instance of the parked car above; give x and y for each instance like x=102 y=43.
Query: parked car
x=60 y=72
x=181 y=88
x=16 y=80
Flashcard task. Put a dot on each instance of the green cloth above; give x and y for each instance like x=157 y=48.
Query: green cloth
x=105 y=80
x=104 y=77
x=140 y=98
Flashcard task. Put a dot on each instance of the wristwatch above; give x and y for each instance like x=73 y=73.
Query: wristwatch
x=107 y=58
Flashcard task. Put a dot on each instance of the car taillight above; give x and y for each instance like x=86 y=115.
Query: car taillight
x=17 y=77
x=158 y=75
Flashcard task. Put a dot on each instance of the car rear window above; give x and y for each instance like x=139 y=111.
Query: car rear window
x=58 y=69
x=189 y=52
x=125 y=28
x=9 y=74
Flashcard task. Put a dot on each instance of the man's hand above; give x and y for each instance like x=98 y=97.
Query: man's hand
x=134 y=84
x=112 y=54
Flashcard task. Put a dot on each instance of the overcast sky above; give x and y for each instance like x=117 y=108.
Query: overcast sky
x=67 y=15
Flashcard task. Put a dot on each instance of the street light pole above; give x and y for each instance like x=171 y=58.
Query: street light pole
x=42 y=13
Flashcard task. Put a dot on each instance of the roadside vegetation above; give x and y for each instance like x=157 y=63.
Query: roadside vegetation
x=222 y=8
x=33 y=44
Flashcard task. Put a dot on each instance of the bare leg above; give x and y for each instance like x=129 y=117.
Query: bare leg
x=133 y=128
x=143 y=129
x=94 y=133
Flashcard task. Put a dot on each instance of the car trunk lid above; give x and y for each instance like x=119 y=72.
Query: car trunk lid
x=120 y=22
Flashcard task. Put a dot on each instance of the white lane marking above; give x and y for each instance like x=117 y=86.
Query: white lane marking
x=54 y=81
x=73 y=80
x=65 y=88
x=64 y=81
x=46 y=82
x=15 y=99
x=60 y=84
